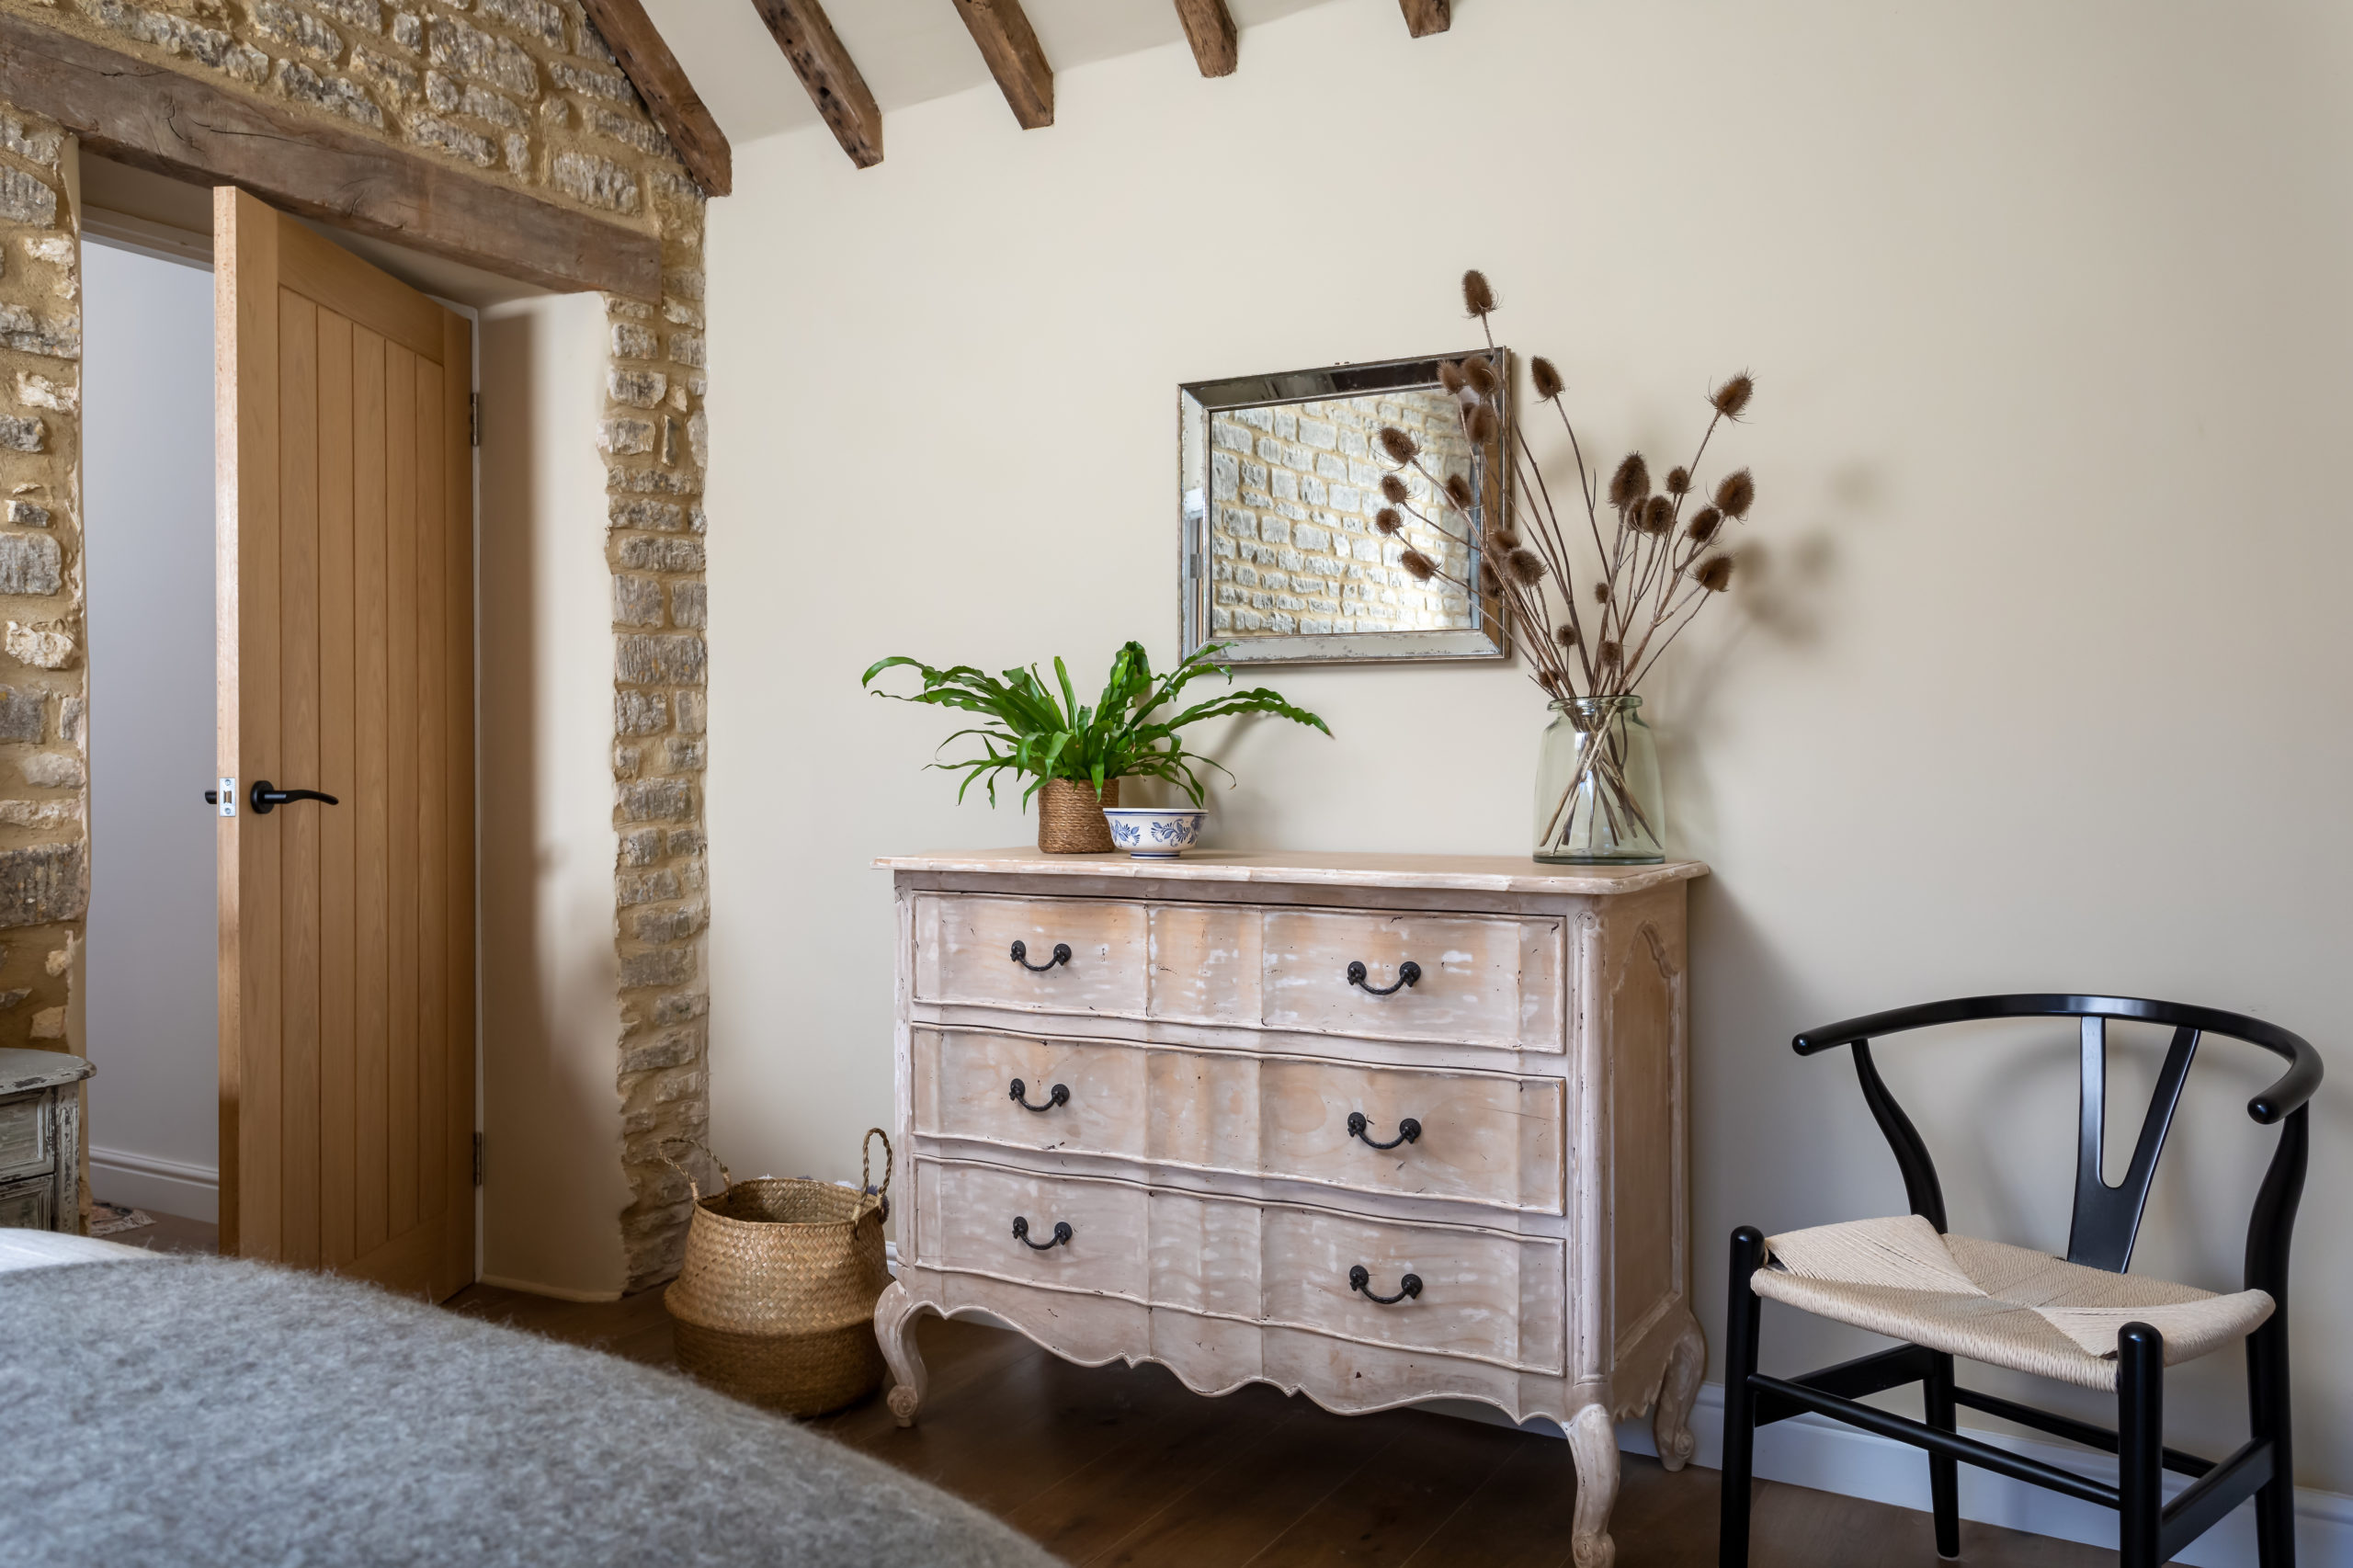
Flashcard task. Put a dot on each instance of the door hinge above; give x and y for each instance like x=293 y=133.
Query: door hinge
x=477 y=1159
x=474 y=417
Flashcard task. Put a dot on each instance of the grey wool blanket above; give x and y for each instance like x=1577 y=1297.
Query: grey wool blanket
x=194 y=1411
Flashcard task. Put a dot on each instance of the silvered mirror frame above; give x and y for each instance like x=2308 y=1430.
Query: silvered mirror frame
x=1488 y=635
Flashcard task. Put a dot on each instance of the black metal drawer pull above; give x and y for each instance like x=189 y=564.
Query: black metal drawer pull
x=1062 y=1238
x=1058 y=1095
x=1408 y=1131
x=1408 y=973
x=1360 y=1279
x=1021 y=957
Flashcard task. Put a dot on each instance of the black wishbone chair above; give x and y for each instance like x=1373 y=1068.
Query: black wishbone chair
x=2082 y=1320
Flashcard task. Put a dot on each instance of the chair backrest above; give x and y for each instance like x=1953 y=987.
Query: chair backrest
x=2107 y=1220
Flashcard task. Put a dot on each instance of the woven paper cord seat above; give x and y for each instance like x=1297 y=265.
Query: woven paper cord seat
x=2007 y=1306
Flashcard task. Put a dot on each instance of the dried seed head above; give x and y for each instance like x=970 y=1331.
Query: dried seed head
x=1478 y=295
x=1733 y=395
x=1601 y=590
x=1502 y=541
x=1715 y=574
x=1610 y=654
x=1679 y=482
x=1398 y=445
x=1658 y=515
x=1422 y=567
x=1549 y=681
x=1547 y=377
x=1449 y=375
x=1457 y=490
x=1482 y=426
x=1631 y=482
x=1566 y=635
x=1392 y=489
x=1704 y=524
x=1480 y=371
x=1735 y=493
x=1388 y=520
x=1526 y=567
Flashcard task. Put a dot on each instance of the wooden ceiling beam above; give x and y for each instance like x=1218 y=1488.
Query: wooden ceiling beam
x=659 y=79
x=801 y=30
x=1001 y=29
x=1209 y=28
x=182 y=125
x=1424 y=17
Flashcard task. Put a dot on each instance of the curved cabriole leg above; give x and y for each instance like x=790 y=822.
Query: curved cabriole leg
x=1593 y=1442
x=895 y=1319
x=1677 y=1391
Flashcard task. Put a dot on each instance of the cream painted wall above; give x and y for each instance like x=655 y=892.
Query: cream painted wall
x=552 y=1190
x=2037 y=680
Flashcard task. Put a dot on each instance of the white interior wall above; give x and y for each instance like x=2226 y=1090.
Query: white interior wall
x=553 y=1189
x=2036 y=678
x=151 y=1020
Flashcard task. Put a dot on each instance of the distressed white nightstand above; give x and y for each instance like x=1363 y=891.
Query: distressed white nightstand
x=40 y=1138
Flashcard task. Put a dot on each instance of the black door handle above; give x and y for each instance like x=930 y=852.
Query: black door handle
x=266 y=798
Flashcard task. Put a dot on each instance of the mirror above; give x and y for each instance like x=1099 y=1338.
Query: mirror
x=1279 y=480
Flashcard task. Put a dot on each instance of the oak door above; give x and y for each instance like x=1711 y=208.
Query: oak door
x=345 y=657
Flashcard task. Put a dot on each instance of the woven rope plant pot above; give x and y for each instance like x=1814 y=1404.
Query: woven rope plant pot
x=775 y=1302
x=1070 y=817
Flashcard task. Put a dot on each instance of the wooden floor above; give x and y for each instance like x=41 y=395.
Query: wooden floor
x=1122 y=1466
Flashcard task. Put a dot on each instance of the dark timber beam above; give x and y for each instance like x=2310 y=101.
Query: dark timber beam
x=825 y=68
x=156 y=119
x=1209 y=28
x=677 y=108
x=1424 y=17
x=1001 y=29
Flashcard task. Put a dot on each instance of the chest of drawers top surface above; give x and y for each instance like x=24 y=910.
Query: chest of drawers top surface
x=1399 y=873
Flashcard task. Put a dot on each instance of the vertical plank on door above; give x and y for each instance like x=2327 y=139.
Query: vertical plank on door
x=338 y=948
x=457 y=630
x=298 y=586
x=400 y=582
x=432 y=801
x=372 y=785
x=245 y=400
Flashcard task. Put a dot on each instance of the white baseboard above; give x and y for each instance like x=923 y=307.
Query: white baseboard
x=1812 y=1450
x=165 y=1187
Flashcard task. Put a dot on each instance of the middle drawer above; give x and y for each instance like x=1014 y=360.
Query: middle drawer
x=1482 y=1137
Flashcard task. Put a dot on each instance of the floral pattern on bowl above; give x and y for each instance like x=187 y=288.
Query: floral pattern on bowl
x=1154 y=833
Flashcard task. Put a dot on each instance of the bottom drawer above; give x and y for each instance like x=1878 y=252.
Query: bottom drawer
x=25 y=1205
x=1487 y=1295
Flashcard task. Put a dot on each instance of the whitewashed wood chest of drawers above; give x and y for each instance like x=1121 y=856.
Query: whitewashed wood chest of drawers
x=1377 y=1129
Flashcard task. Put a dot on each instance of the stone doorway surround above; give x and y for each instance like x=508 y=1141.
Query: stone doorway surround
x=520 y=146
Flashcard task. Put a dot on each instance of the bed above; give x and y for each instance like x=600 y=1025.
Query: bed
x=198 y=1411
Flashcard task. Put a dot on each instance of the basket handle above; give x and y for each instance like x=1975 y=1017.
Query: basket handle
x=881 y=1195
x=727 y=1181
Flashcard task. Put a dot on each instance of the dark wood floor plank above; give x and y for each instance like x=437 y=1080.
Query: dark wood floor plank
x=1383 y=1514
x=1517 y=1517
x=1092 y=1510
x=1242 y=1508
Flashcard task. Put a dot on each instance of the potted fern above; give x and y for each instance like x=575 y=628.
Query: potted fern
x=1074 y=755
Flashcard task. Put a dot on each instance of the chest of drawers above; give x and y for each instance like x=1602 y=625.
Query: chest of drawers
x=1378 y=1129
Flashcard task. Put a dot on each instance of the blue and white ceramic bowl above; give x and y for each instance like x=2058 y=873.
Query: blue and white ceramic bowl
x=1150 y=833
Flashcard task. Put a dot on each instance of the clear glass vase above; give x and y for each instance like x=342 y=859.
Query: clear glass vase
x=1597 y=786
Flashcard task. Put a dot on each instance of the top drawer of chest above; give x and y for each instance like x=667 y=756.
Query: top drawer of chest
x=1492 y=980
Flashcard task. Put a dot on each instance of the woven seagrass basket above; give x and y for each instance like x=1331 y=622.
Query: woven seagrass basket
x=775 y=1302
x=1071 y=819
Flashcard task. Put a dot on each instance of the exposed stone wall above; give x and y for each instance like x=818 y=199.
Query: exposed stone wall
x=522 y=93
x=1293 y=550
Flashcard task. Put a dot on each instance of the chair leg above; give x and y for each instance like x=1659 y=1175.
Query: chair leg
x=1944 y=1471
x=1741 y=1320
x=2266 y=1387
x=2139 y=1443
